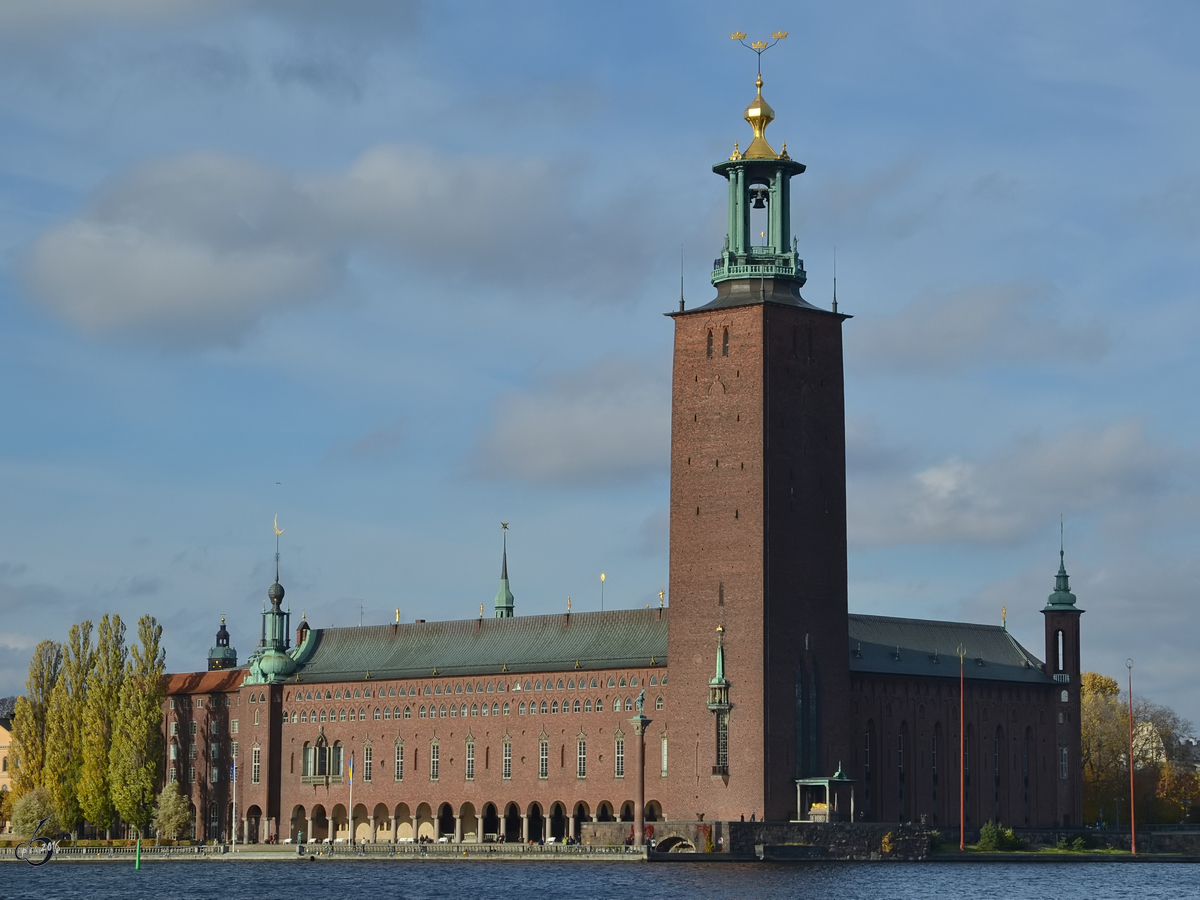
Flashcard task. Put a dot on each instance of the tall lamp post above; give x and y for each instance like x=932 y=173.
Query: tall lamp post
x=1132 y=814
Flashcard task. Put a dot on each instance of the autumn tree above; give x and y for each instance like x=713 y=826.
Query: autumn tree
x=64 y=731
x=29 y=811
x=135 y=757
x=171 y=812
x=103 y=697
x=27 y=754
x=1162 y=787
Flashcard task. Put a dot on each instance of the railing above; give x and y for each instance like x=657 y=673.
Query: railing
x=758 y=270
x=470 y=849
x=147 y=850
x=1063 y=677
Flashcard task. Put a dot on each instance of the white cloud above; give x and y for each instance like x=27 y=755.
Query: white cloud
x=1114 y=471
x=196 y=249
x=610 y=422
x=976 y=326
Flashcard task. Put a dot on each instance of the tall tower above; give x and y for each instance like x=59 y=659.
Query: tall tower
x=758 y=512
x=1063 y=665
x=504 y=597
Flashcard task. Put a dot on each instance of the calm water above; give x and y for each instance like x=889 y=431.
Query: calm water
x=486 y=880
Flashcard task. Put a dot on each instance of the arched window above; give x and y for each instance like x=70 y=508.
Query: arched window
x=453 y=710
x=554 y=706
x=521 y=708
x=658 y=703
x=407 y=712
x=474 y=709
x=710 y=342
x=420 y=713
x=462 y=710
x=725 y=342
x=543 y=709
x=342 y=715
x=495 y=709
x=377 y=711
x=616 y=704
x=587 y=705
x=575 y=707
x=387 y=713
x=506 y=707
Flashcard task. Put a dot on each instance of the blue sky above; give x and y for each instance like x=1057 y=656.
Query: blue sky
x=395 y=271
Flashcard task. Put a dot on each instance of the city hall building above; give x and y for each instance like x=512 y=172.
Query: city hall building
x=754 y=694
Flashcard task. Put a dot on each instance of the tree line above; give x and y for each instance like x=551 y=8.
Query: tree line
x=87 y=739
x=1166 y=786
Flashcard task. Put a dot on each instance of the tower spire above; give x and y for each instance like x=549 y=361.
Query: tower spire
x=1062 y=596
x=504 y=596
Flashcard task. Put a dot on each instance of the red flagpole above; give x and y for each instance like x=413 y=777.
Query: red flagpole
x=962 y=767
x=1132 y=815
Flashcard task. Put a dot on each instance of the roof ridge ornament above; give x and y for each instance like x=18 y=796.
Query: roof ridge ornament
x=759 y=113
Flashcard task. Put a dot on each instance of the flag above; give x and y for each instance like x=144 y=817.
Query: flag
x=351 y=769
x=233 y=772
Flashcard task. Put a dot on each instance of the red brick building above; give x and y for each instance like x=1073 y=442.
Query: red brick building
x=777 y=700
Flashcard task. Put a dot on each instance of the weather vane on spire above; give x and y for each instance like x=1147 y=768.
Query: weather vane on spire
x=759 y=47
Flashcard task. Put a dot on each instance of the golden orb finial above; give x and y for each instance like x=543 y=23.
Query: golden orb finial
x=759 y=114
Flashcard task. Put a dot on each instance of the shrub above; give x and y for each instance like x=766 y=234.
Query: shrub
x=995 y=837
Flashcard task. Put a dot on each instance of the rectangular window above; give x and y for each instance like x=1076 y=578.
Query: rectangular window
x=174 y=729
x=1062 y=762
x=191 y=727
x=214 y=751
x=233 y=726
x=255 y=764
x=506 y=760
x=192 y=750
x=368 y=753
x=233 y=749
x=620 y=758
x=433 y=762
x=199 y=702
x=212 y=726
x=399 y=762
x=470 y=760
x=172 y=703
x=171 y=774
x=256 y=717
x=214 y=774
x=191 y=774
x=174 y=752
x=664 y=757
x=581 y=758
x=543 y=759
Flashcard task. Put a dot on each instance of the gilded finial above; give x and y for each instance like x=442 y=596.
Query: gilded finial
x=504 y=668
x=737 y=35
x=736 y=154
x=661 y=596
x=481 y=610
x=759 y=113
x=1004 y=617
x=397 y=615
x=783 y=154
x=568 y=603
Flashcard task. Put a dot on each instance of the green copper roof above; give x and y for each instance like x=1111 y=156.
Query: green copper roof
x=889 y=646
x=1062 y=598
x=554 y=643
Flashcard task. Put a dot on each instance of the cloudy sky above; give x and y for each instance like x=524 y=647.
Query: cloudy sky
x=395 y=271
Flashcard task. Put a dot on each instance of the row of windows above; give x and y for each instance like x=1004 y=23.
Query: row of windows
x=327 y=759
x=455 y=711
x=214 y=772
x=492 y=687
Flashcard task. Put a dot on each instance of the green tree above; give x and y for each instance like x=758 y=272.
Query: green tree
x=1104 y=728
x=135 y=758
x=30 y=808
x=171 y=813
x=27 y=754
x=103 y=696
x=64 y=731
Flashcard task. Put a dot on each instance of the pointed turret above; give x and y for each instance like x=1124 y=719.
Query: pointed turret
x=504 y=597
x=1062 y=598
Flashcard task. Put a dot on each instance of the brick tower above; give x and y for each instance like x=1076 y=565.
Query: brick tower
x=1063 y=665
x=758 y=515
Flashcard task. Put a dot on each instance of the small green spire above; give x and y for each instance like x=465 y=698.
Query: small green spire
x=719 y=678
x=1062 y=598
x=504 y=597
